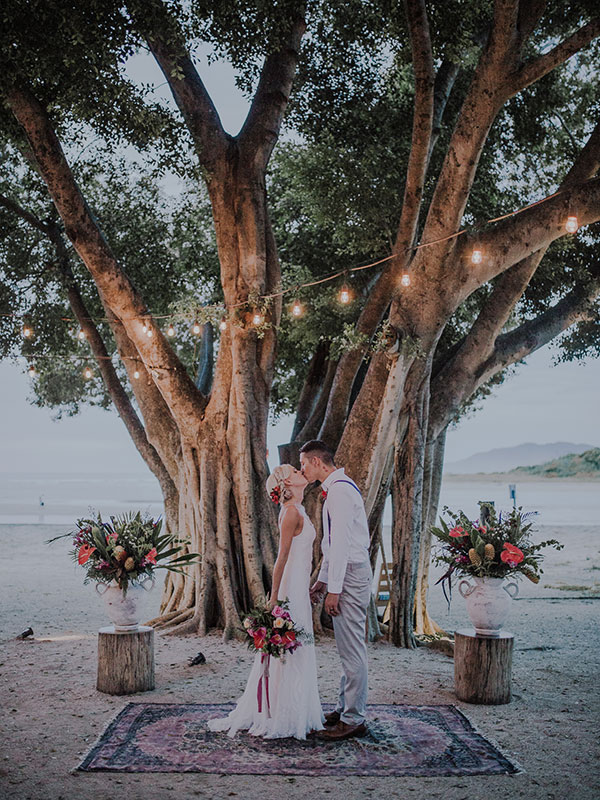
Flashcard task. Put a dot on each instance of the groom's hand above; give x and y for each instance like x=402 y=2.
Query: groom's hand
x=316 y=591
x=332 y=604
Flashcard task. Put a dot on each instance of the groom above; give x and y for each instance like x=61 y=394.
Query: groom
x=346 y=576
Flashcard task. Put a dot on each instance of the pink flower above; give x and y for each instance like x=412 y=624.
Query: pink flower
x=276 y=639
x=262 y=632
x=286 y=615
x=457 y=532
x=151 y=556
x=277 y=611
x=482 y=529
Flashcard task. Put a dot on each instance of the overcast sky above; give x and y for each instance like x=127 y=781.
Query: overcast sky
x=541 y=403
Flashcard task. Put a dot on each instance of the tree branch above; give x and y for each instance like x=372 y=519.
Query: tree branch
x=167 y=44
x=115 y=289
x=534 y=70
x=263 y=123
x=107 y=371
x=517 y=237
x=530 y=13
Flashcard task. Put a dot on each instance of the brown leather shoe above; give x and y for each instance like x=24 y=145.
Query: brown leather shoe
x=341 y=731
x=332 y=718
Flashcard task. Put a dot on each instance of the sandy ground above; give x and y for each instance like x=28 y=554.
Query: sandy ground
x=51 y=713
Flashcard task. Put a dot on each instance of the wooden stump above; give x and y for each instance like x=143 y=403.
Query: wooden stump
x=125 y=660
x=482 y=667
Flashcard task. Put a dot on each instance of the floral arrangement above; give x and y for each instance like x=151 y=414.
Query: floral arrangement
x=125 y=549
x=492 y=546
x=272 y=631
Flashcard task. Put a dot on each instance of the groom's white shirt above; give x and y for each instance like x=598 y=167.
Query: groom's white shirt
x=347 y=542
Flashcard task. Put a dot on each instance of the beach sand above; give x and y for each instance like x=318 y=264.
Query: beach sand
x=52 y=713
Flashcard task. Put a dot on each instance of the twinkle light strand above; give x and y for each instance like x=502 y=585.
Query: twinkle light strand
x=344 y=296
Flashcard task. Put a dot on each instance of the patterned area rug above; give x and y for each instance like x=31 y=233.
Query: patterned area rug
x=424 y=741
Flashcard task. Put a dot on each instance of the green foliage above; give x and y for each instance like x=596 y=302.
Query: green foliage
x=584 y=464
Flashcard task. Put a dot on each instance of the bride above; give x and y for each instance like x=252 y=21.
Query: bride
x=294 y=708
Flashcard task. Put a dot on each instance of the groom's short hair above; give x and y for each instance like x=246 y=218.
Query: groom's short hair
x=320 y=449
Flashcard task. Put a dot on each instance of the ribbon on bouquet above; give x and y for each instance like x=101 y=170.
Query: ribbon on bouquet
x=264 y=660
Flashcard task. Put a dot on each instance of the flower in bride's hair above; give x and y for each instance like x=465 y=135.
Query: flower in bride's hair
x=275 y=494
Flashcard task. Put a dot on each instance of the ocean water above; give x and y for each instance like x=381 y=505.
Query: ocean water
x=47 y=498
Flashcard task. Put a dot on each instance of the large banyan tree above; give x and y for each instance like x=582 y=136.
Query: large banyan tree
x=413 y=132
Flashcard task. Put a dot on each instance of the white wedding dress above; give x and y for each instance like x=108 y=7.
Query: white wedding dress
x=295 y=707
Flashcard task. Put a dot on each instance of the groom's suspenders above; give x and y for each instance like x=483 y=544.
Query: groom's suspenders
x=341 y=480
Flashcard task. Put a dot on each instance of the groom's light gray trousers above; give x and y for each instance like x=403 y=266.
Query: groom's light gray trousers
x=349 y=628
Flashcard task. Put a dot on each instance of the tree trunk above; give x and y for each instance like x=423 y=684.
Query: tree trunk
x=434 y=466
x=407 y=500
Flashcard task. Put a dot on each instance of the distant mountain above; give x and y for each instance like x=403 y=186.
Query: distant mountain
x=585 y=464
x=504 y=459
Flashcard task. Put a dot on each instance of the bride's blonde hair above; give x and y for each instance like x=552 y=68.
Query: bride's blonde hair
x=276 y=488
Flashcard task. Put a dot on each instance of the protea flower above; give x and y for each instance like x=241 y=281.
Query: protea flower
x=129 y=564
x=489 y=552
x=474 y=557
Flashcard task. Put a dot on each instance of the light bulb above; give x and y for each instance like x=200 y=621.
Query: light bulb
x=170 y=331
x=344 y=295
x=80 y=335
x=31 y=371
x=196 y=328
x=136 y=374
x=257 y=319
x=476 y=257
x=144 y=327
x=572 y=225
x=405 y=279
x=297 y=309
x=27 y=331
x=87 y=373
x=149 y=333
x=223 y=324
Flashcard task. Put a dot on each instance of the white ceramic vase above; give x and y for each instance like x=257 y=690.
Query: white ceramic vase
x=488 y=603
x=122 y=607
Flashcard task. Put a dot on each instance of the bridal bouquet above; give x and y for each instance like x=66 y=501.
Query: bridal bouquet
x=272 y=631
x=492 y=546
x=126 y=549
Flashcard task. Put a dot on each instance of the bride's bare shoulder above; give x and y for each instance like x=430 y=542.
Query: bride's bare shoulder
x=290 y=515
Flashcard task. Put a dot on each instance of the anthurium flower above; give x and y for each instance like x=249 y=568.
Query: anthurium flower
x=511 y=555
x=151 y=556
x=85 y=551
x=457 y=532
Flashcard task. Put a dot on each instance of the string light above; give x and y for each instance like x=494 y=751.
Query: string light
x=136 y=374
x=297 y=309
x=572 y=225
x=171 y=330
x=196 y=328
x=87 y=373
x=81 y=335
x=31 y=371
x=27 y=332
x=145 y=327
x=405 y=279
x=149 y=333
x=223 y=324
x=476 y=256
x=344 y=296
x=258 y=318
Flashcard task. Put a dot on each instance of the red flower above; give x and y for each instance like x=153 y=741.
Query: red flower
x=457 y=531
x=275 y=494
x=288 y=636
x=482 y=529
x=259 y=642
x=511 y=555
x=151 y=556
x=276 y=639
x=85 y=551
x=324 y=494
